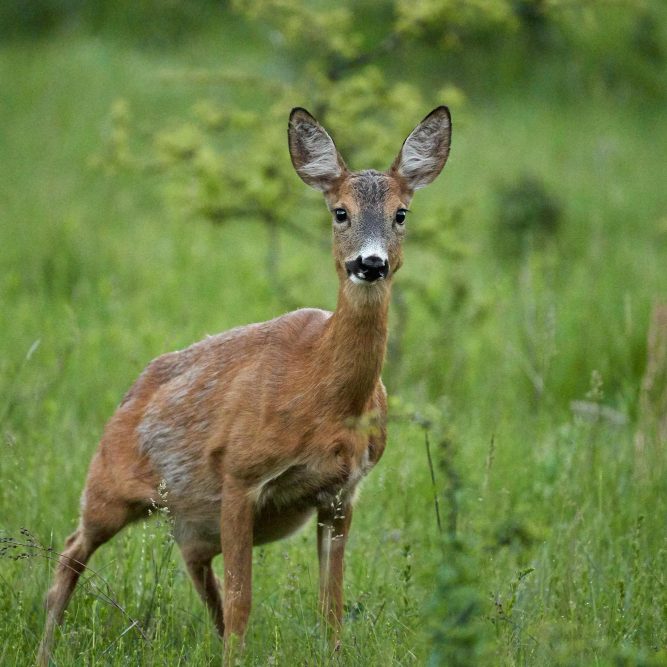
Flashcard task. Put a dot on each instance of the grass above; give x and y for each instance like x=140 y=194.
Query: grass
x=559 y=549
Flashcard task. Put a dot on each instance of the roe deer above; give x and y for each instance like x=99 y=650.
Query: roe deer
x=256 y=429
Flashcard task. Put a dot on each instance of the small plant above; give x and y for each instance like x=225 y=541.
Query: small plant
x=459 y=632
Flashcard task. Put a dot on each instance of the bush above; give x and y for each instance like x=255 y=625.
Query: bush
x=527 y=214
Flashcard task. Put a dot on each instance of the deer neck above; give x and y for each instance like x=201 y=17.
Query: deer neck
x=350 y=353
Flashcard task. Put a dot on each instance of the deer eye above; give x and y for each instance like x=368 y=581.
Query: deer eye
x=400 y=216
x=341 y=215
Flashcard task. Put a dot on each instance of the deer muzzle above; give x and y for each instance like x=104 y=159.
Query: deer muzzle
x=367 y=269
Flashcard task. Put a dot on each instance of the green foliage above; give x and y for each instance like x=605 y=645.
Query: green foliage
x=450 y=22
x=460 y=631
x=330 y=31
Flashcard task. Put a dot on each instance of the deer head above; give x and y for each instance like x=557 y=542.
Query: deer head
x=369 y=208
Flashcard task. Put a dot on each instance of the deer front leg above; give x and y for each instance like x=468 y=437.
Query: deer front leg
x=236 y=537
x=333 y=525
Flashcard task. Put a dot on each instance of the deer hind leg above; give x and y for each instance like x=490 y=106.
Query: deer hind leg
x=100 y=521
x=198 y=562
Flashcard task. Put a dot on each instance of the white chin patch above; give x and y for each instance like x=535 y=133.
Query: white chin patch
x=360 y=281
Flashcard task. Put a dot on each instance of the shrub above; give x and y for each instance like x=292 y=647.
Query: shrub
x=527 y=214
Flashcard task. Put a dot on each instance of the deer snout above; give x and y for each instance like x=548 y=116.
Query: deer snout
x=367 y=269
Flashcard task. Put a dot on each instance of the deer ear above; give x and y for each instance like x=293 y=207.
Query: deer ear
x=313 y=152
x=425 y=151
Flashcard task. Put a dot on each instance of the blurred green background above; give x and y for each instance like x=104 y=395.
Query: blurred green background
x=148 y=199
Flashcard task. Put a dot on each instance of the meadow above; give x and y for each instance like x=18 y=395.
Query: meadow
x=537 y=534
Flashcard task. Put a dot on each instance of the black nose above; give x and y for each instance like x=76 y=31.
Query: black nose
x=369 y=268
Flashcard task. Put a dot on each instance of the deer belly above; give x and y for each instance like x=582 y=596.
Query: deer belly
x=272 y=523
x=283 y=503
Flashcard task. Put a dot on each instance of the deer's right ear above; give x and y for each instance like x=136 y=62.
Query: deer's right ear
x=313 y=152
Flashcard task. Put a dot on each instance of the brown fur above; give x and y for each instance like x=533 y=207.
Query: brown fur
x=255 y=429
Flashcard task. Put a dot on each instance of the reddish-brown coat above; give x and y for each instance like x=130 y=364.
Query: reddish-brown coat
x=253 y=430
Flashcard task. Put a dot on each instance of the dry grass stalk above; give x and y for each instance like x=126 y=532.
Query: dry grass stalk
x=652 y=421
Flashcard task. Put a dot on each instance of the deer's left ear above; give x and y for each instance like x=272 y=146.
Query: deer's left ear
x=425 y=151
x=313 y=152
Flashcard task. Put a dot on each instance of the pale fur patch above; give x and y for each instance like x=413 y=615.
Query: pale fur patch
x=166 y=429
x=371 y=249
x=257 y=492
